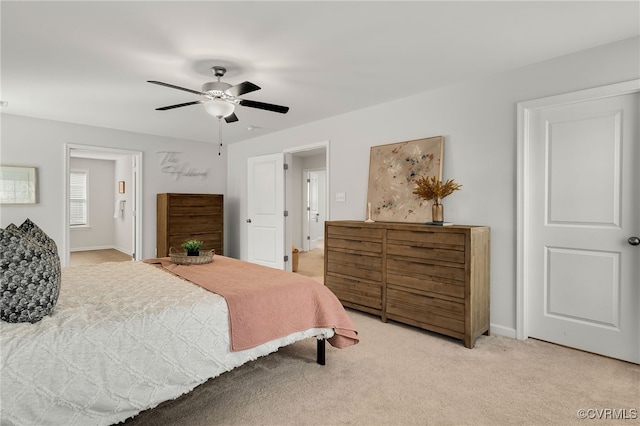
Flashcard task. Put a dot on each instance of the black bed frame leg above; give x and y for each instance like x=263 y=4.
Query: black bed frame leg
x=321 y=351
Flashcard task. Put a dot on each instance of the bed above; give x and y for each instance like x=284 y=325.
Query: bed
x=124 y=337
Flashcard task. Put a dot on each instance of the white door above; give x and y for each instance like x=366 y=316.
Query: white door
x=265 y=207
x=583 y=273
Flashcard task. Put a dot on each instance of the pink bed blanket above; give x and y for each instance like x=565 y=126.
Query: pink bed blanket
x=266 y=303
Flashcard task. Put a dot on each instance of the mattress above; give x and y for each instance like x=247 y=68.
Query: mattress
x=123 y=338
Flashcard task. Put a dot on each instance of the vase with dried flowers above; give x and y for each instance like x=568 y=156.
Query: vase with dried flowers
x=431 y=188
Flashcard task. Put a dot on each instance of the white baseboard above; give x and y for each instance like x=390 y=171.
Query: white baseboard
x=91 y=248
x=125 y=251
x=120 y=249
x=502 y=331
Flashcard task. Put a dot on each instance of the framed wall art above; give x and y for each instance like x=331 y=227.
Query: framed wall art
x=392 y=170
x=18 y=185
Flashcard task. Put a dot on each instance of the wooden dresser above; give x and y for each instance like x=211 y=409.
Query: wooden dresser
x=182 y=217
x=435 y=278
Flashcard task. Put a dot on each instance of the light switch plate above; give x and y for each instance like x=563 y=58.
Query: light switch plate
x=341 y=197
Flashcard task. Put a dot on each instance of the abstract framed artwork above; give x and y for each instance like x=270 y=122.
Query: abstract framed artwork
x=392 y=170
x=18 y=185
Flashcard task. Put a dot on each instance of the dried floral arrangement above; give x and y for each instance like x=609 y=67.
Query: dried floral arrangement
x=430 y=188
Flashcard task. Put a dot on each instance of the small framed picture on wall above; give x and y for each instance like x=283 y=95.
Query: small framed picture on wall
x=18 y=185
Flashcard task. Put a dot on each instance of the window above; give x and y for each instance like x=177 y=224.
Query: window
x=78 y=198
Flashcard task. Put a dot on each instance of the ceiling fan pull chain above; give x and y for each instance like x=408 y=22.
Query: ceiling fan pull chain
x=219 y=134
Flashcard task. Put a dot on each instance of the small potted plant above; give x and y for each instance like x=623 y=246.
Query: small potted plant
x=430 y=188
x=192 y=247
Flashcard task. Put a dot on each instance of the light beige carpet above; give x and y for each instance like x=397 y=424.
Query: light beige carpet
x=400 y=375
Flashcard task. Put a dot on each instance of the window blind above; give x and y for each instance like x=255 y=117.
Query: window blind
x=77 y=198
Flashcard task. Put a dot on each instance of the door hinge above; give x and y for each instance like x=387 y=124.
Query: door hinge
x=286 y=213
x=286 y=258
x=286 y=166
x=308 y=180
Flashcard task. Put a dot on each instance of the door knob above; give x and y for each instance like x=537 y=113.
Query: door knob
x=248 y=220
x=634 y=241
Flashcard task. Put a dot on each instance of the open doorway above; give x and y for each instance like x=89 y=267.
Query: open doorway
x=102 y=219
x=307 y=190
x=314 y=208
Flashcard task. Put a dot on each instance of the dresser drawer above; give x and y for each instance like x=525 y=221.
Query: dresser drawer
x=356 y=291
x=354 y=232
x=426 y=253
x=432 y=239
x=209 y=241
x=355 y=246
x=356 y=265
x=453 y=274
x=356 y=239
x=427 y=286
x=195 y=223
x=190 y=203
x=421 y=309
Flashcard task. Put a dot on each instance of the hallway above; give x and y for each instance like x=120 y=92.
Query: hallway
x=311 y=263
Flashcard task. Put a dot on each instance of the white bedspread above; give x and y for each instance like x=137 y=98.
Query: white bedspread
x=123 y=338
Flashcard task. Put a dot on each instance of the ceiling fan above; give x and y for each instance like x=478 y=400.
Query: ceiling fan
x=220 y=99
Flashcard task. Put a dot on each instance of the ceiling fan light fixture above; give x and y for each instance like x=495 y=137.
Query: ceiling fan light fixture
x=219 y=108
x=220 y=98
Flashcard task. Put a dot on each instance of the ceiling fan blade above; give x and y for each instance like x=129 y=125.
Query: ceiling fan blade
x=175 y=87
x=231 y=118
x=178 y=105
x=242 y=88
x=262 y=105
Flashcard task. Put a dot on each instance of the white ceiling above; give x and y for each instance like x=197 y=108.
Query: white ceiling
x=88 y=62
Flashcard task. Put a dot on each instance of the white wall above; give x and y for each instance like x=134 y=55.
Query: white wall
x=478 y=120
x=99 y=233
x=41 y=143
